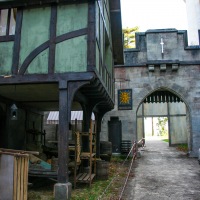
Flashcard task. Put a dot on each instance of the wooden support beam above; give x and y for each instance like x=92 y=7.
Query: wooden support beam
x=24 y=3
x=47 y=78
x=67 y=91
x=16 y=49
x=18 y=151
x=91 y=37
x=62 y=136
x=52 y=44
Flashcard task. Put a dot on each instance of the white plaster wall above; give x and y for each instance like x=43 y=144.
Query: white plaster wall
x=193 y=18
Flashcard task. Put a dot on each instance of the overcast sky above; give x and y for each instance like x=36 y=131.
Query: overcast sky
x=154 y=14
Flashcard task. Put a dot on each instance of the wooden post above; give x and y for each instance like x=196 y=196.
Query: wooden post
x=87 y=112
x=98 y=130
x=63 y=132
x=15 y=179
x=26 y=177
x=18 y=179
x=91 y=37
x=90 y=146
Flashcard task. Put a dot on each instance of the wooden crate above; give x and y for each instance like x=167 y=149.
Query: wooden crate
x=13 y=176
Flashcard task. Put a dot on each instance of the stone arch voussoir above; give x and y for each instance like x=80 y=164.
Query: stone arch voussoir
x=174 y=88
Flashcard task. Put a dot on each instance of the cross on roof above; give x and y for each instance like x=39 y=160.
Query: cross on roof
x=162 y=45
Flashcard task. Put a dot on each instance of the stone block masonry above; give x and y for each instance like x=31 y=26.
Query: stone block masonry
x=148 y=69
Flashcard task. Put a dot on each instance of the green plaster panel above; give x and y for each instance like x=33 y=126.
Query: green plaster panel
x=40 y=64
x=97 y=22
x=71 y=18
x=107 y=17
x=35 y=30
x=108 y=59
x=97 y=58
x=71 y=55
x=102 y=39
x=6 y=49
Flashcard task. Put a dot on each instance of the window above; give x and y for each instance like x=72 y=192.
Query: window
x=7 y=21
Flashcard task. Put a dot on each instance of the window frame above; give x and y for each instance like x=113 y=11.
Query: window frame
x=7 y=36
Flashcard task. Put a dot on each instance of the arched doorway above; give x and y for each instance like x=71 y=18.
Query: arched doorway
x=163 y=113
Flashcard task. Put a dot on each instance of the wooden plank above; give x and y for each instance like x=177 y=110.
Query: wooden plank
x=18 y=179
x=47 y=174
x=86 y=155
x=71 y=148
x=78 y=176
x=91 y=52
x=52 y=44
x=26 y=178
x=63 y=128
x=47 y=78
x=19 y=151
x=16 y=48
x=71 y=35
x=41 y=170
x=87 y=177
x=81 y=177
x=15 y=179
x=8 y=22
x=7 y=38
x=90 y=138
x=22 y=177
x=30 y=4
x=86 y=133
x=92 y=176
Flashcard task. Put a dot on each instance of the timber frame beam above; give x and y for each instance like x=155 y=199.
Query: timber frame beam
x=46 y=78
x=26 y=3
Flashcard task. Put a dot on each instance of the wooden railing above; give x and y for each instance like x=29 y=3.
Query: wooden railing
x=134 y=148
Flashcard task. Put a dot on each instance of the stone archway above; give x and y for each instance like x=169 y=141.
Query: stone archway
x=184 y=83
x=164 y=102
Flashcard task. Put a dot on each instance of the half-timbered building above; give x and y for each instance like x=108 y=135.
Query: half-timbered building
x=56 y=55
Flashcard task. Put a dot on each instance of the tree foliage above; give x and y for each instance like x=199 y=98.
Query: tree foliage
x=129 y=36
x=162 y=121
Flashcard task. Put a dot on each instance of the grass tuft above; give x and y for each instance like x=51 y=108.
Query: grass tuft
x=44 y=191
x=182 y=147
x=166 y=140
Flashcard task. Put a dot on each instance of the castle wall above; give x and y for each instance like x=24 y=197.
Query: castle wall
x=146 y=70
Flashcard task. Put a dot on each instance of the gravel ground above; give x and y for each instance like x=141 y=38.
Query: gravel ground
x=164 y=173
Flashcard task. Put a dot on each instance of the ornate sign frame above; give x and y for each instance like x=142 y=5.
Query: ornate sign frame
x=125 y=99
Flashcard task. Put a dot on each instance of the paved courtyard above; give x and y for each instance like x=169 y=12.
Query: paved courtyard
x=164 y=173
